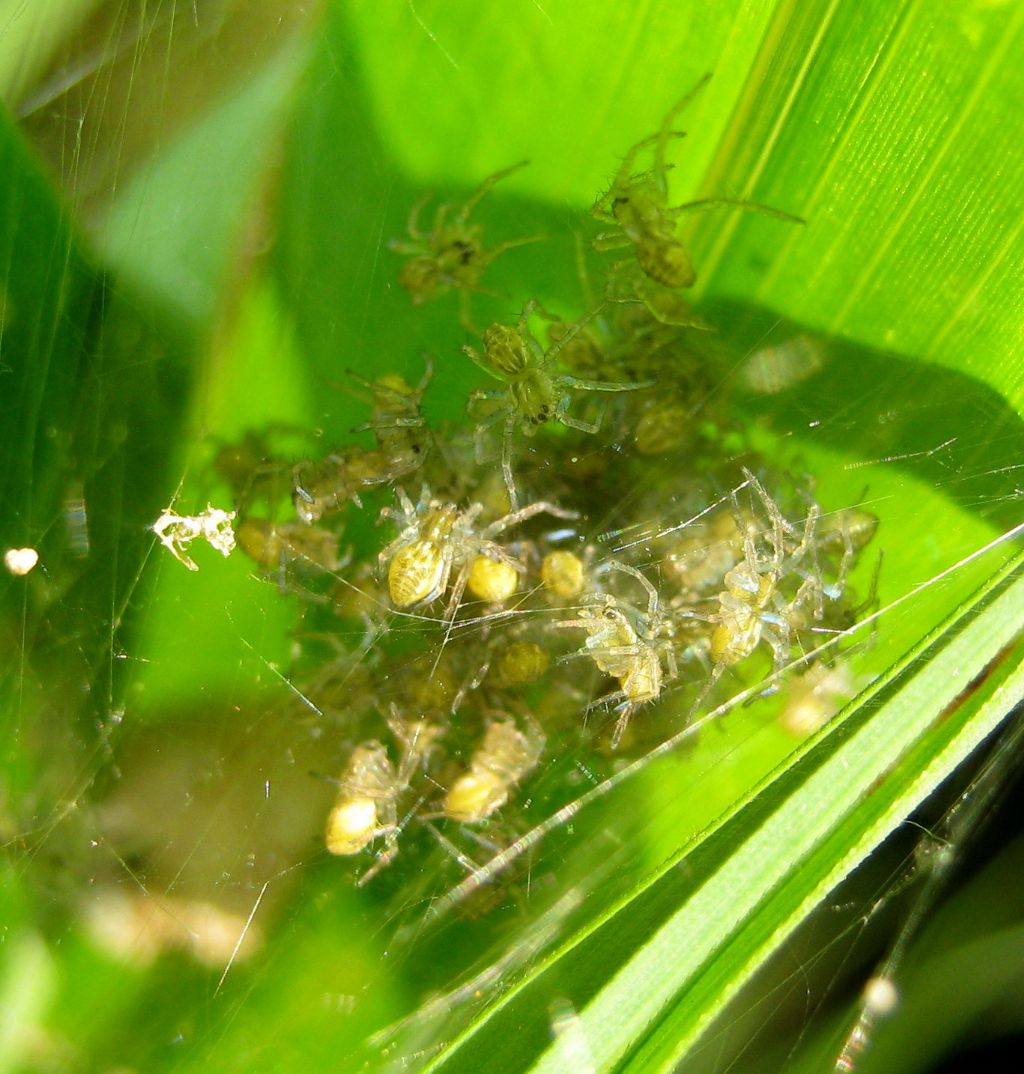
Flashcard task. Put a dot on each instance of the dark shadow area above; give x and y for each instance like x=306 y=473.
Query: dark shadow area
x=935 y=424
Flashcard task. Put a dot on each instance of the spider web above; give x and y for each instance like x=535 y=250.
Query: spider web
x=167 y=768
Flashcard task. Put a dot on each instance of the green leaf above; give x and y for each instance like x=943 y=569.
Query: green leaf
x=890 y=127
x=175 y=228
x=683 y=943
x=885 y=125
x=46 y=291
x=29 y=38
x=908 y=249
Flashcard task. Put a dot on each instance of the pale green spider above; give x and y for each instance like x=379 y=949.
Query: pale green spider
x=535 y=392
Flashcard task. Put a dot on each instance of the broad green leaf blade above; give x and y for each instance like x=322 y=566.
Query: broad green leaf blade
x=568 y=87
x=892 y=128
x=864 y=792
x=872 y=120
x=681 y=946
x=405 y=123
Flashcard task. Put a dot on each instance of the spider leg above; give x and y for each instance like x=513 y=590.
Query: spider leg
x=428 y=374
x=479 y=446
x=392 y=421
x=463 y=859
x=770 y=506
x=808 y=545
x=491 y=395
x=513 y=518
x=653 y=174
x=408 y=507
x=471 y=683
x=575 y=423
x=391 y=832
x=625 y=715
x=415 y=739
x=607 y=650
x=478 y=359
x=626 y=178
x=812 y=589
x=611 y=240
x=716 y=673
x=497 y=552
x=510 y=244
x=743 y=526
x=570 y=624
x=672 y=666
x=778 y=637
x=737 y=203
x=665 y=133
x=452 y=608
x=465 y=319
x=506 y=462
x=602 y=385
x=533 y=306
x=652 y=593
x=413 y=224
x=384 y=859
x=438 y=227
x=408 y=249
x=474 y=199
x=573 y=332
x=836 y=589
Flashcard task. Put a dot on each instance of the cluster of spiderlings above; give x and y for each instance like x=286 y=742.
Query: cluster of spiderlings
x=639 y=565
